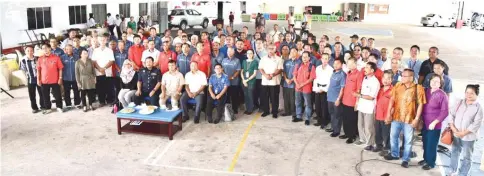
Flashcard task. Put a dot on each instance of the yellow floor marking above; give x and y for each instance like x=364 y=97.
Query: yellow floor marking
x=242 y=143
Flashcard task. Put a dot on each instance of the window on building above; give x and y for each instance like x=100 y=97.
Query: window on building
x=39 y=18
x=143 y=9
x=125 y=10
x=77 y=15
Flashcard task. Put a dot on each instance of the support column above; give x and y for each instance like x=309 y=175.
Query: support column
x=162 y=16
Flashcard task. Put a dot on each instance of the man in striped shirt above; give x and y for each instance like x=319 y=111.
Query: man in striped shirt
x=29 y=65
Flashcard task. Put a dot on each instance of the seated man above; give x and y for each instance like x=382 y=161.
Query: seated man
x=149 y=79
x=171 y=86
x=195 y=82
x=217 y=87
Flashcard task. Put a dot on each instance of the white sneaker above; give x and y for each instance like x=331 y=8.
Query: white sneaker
x=162 y=106
x=60 y=110
x=174 y=108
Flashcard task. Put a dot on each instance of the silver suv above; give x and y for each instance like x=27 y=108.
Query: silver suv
x=182 y=18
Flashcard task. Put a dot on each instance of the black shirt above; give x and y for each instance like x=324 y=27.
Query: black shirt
x=149 y=78
x=132 y=85
x=428 y=67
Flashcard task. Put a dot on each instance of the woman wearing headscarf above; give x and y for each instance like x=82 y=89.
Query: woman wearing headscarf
x=434 y=113
x=86 y=79
x=129 y=79
x=466 y=119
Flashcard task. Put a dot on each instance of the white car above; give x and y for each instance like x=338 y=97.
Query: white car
x=182 y=18
x=436 y=20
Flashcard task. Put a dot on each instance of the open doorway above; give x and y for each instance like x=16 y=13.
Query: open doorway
x=356 y=11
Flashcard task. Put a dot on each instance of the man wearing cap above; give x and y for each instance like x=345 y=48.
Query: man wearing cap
x=354 y=42
x=166 y=55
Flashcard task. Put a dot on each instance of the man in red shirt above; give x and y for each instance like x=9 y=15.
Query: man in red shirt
x=304 y=75
x=202 y=59
x=382 y=130
x=135 y=52
x=243 y=37
x=350 y=115
x=206 y=43
x=165 y=56
x=49 y=76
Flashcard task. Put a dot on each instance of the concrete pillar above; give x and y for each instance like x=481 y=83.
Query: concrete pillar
x=163 y=16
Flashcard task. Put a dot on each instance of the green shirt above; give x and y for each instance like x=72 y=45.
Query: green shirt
x=248 y=68
x=132 y=25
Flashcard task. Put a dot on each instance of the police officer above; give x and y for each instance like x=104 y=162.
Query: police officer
x=149 y=82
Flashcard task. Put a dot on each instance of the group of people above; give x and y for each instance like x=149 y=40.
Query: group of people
x=373 y=97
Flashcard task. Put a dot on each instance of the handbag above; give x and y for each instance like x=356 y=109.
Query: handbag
x=447 y=135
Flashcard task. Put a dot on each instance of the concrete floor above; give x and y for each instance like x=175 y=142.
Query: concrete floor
x=77 y=143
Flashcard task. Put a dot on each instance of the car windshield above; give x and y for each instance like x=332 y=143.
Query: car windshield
x=176 y=12
x=430 y=15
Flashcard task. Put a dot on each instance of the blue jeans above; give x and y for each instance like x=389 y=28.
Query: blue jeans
x=430 y=139
x=198 y=106
x=467 y=148
x=249 y=97
x=395 y=130
x=299 y=105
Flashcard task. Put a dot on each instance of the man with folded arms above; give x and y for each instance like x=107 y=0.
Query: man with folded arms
x=195 y=83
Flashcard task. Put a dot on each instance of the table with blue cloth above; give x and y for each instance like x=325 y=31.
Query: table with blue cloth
x=159 y=122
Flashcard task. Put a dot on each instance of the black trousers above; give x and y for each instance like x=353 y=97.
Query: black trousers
x=90 y=93
x=220 y=107
x=234 y=97
x=32 y=96
x=322 y=112
x=57 y=95
x=117 y=87
x=270 y=93
x=350 y=121
x=256 y=93
x=382 y=134
x=104 y=89
x=111 y=28
x=68 y=86
x=289 y=101
x=118 y=31
x=154 y=100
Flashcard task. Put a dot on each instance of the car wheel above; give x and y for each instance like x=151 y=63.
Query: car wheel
x=205 y=24
x=183 y=25
x=452 y=25
x=435 y=25
x=424 y=24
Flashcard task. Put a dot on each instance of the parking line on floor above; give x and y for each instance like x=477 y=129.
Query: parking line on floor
x=203 y=170
x=242 y=142
x=167 y=147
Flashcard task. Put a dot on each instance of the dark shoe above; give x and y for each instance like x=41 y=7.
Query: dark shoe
x=35 y=111
x=369 y=148
x=427 y=167
x=274 y=116
x=92 y=108
x=334 y=134
x=297 y=120
x=260 y=110
x=317 y=124
x=248 y=113
x=329 y=130
x=78 y=106
x=265 y=114
x=216 y=121
x=285 y=114
x=390 y=157
x=84 y=109
x=343 y=137
x=102 y=105
x=422 y=163
x=405 y=164
x=236 y=112
x=350 y=140
x=196 y=121
x=210 y=120
x=185 y=119
x=377 y=149
x=383 y=153
x=306 y=122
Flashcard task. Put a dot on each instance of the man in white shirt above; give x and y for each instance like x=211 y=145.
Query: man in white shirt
x=171 y=86
x=271 y=68
x=397 y=54
x=178 y=38
x=320 y=89
x=195 y=83
x=275 y=33
x=366 y=106
x=111 y=23
x=103 y=58
x=130 y=34
x=118 y=22
x=151 y=52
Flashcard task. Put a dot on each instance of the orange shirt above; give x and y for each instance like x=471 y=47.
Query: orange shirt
x=353 y=84
x=134 y=54
x=301 y=73
x=163 y=60
x=405 y=101
x=49 y=67
x=203 y=61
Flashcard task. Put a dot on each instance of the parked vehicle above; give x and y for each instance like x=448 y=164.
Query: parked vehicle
x=436 y=20
x=183 y=18
x=477 y=21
